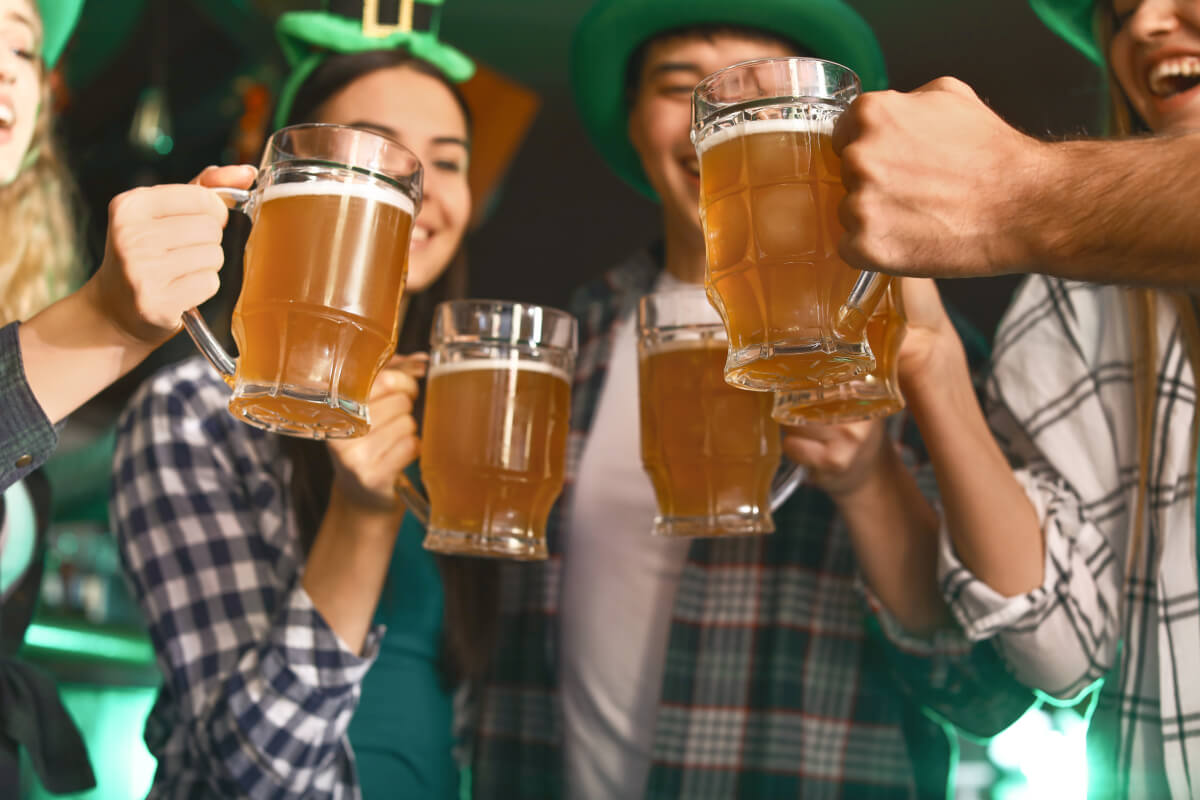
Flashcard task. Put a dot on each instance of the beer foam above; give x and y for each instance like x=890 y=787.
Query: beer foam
x=810 y=126
x=497 y=364
x=366 y=191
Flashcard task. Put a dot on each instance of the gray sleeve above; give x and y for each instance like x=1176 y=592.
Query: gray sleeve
x=26 y=436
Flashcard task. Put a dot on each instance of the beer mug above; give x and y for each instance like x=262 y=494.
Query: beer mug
x=770 y=185
x=494 y=438
x=712 y=450
x=875 y=394
x=324 y=270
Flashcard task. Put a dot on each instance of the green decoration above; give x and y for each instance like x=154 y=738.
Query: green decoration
x=58 y=21
x=308 y=37
x=1074 y=21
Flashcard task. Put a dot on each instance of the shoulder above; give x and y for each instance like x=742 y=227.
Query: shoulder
x=1051 y=312
x=186 y=405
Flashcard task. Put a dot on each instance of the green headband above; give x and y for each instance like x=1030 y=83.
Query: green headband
x=1073 y=20
x=59 y=18
x=307 y=38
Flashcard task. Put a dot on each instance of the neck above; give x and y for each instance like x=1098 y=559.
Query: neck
x=683 y=250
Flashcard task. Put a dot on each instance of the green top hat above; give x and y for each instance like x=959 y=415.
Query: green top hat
x=1073 y=20
x=613 y=29
x=58 y=21
x=356 y=26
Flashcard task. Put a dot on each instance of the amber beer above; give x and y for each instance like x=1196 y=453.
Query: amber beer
x=769 y=194
x=493 y=454
x=875 y=394
x=319 y=309
x=711 y=450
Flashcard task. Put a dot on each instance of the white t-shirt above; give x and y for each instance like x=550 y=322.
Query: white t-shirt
x=618 y=590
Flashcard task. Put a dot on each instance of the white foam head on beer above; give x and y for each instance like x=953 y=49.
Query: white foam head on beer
x=496 y=365
x=367 y=191
x=807 y=126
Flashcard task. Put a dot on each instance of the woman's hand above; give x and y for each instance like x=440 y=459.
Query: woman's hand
x=839 y=458
x=366 y=468
x=163 y=254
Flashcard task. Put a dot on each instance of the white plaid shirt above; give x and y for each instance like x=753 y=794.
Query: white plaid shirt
x=258 y=690
x=1063 y=408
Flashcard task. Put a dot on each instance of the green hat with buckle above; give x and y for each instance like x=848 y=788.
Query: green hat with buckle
x=354 y=26
x=1074 y=21
x=59 y=18
x=613 y=30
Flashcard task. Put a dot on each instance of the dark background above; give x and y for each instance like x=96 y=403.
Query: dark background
x=561 y=217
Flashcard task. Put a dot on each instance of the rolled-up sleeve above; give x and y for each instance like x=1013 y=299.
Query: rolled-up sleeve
x=264 y=689
x=1062 y=636
x=26 y=436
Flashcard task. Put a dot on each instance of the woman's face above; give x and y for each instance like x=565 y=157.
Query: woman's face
x=1155 y=54
x=421 y=113
x=20 y=82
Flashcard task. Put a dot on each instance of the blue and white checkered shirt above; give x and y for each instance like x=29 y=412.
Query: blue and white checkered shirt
x=258 y=690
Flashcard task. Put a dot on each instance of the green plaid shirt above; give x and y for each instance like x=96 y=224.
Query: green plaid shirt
x=779 y=679
x=26 y=437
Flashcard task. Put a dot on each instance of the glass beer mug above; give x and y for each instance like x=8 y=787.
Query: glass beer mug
x=712 y=450
x=494 y=438
x=324 y=271
x=875 y=394
x=770 y=185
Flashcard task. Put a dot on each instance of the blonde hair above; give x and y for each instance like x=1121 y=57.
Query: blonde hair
x=40 y=261
x=1143 y=314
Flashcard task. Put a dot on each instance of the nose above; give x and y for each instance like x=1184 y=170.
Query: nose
x=1154 y=19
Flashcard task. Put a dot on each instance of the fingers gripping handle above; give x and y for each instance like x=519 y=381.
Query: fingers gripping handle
x=418 y=505
x=206 y=343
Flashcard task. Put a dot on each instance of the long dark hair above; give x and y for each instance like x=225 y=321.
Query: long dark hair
x=470 y=586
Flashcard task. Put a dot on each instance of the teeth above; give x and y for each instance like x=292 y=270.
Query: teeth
x=7 y=115
x=1162 y=73
x=420 y=234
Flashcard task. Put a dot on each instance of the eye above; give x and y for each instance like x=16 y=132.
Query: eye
x=448 y=165
x=1122 y=10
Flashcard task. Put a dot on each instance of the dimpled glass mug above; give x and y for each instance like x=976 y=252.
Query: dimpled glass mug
x=770 y=185
x=711 y=450
x=324 y=271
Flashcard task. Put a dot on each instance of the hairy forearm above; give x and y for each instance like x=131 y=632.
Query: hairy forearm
x=1118 y=212
x=894 y=531
x=992 y=523
x=348 y=564
x=71 y=352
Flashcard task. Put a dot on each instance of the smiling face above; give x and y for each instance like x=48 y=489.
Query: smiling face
x=388 y=100
x=1155 y=54
x=20 y=82
x=660 y=114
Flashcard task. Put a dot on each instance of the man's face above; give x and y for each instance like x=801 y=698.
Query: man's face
x=660 y=116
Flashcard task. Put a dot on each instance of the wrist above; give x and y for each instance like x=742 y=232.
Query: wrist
x=938 y=378
x=1046 y=235
x=363 y=512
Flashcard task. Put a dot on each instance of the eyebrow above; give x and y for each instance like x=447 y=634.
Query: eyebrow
x=672 y=66
x=387 y=130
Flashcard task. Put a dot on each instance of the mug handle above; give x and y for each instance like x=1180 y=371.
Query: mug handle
x=787 y=479
x=206 y=343
x=868 y=290
x=418 y=504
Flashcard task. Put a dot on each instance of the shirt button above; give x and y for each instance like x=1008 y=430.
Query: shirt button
x=24 y=461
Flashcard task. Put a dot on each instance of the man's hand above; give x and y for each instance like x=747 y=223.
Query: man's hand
x=163 y=254
x=937 y=184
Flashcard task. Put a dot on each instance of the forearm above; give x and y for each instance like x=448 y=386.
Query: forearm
x=894 y=531
x=71 y=352
x=1117 y=212
x=993 y=525
x=348 y=564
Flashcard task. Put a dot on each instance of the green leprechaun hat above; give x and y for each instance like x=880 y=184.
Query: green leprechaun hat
x=613 y=30
x=1074 y=21
x=59 y=18
x=355 y=26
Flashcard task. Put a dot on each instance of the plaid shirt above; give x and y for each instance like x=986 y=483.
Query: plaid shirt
x=26 y=437
x=772 y=685
x=258 y=691
x=1064 y=408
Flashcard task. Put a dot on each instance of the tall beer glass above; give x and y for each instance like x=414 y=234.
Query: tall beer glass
x=769 y=191
x=494 y=440
x=324 y=271
x=712 y=451
x=875 y=394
